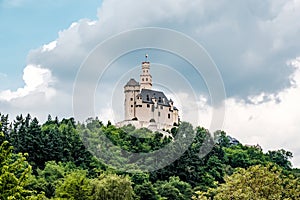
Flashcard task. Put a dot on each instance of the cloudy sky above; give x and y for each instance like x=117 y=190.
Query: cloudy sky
x=254 y=44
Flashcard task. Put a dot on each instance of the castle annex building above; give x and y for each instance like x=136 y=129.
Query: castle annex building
x=145 y=107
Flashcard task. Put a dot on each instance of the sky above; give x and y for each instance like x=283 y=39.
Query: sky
x=254 y=45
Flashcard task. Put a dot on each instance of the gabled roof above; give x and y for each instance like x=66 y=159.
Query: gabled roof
x=147 y=96
x=132 y=82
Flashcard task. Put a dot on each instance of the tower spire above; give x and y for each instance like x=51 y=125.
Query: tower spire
x=145 y=77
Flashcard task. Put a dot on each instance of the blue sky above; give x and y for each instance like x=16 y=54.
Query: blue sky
x=26 y=24
x=254 y=44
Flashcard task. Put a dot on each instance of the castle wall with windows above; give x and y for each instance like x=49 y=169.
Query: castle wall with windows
x=145 y=107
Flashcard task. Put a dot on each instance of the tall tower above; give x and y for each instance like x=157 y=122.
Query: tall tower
x=131 y=90
x=145 y=77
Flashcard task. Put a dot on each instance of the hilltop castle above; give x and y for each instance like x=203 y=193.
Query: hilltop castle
x=145 y=107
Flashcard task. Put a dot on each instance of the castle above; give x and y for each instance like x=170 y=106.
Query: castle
x=145 y=107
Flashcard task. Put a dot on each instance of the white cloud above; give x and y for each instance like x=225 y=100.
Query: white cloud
x=270 y=120
x=249 y=41
x=36 y=79
x=50 y=46
x=273 y=124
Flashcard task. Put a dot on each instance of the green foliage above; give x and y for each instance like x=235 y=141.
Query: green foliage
x=174 y=189
x=244 y=156
x=14 y=173
x=54 y=140
x=117 y=146
x=146 y=191
x=111 y=187
x=281 y=157
x=256 y=182
x=140 y=177
x=190 y=167
x=47 y=179
x=64 y=168
x=75 y=186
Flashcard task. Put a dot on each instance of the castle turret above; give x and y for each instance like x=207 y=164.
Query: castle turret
x=145 y=77
x=131 y=90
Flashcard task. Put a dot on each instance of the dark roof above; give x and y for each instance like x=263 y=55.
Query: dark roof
x=132 y=82
x=147 y=96
x=233 y=141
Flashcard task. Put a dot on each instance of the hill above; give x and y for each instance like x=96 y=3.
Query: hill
x=64 y=159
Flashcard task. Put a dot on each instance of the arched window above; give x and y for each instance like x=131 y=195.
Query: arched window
x=142 y=79
x=146 y=79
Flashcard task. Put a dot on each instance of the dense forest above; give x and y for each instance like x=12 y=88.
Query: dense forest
x=65 y=159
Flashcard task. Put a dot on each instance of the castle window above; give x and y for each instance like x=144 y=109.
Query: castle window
x=148 y=99
x=159 y=114
x=169 y=116
x=142 y=79
x=146 y=79
x=159 y=99
x=131 y=99
x=148 y=106
x=131 y=106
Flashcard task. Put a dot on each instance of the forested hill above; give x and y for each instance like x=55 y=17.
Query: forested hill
x=52 y=161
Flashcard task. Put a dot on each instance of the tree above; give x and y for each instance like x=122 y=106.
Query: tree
x=4 y=126
x=146 y=191
x=174 y=189
x=281 y=157
x=14 y=173
x=256 y=182
x=47 y=179
x=75 y=186
x=111 y=187
x=54 y=140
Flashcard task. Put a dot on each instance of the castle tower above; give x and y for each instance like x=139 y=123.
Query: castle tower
x=145 y=77
x=131 y=90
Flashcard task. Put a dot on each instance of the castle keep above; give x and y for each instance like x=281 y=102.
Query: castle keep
x=145 y=107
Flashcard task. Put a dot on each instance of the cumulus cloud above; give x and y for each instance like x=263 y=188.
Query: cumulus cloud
x=250 y=41
x=36 y=79
x=273 y=123
x=270 y=120
x=37 y=97
x=49 y=47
